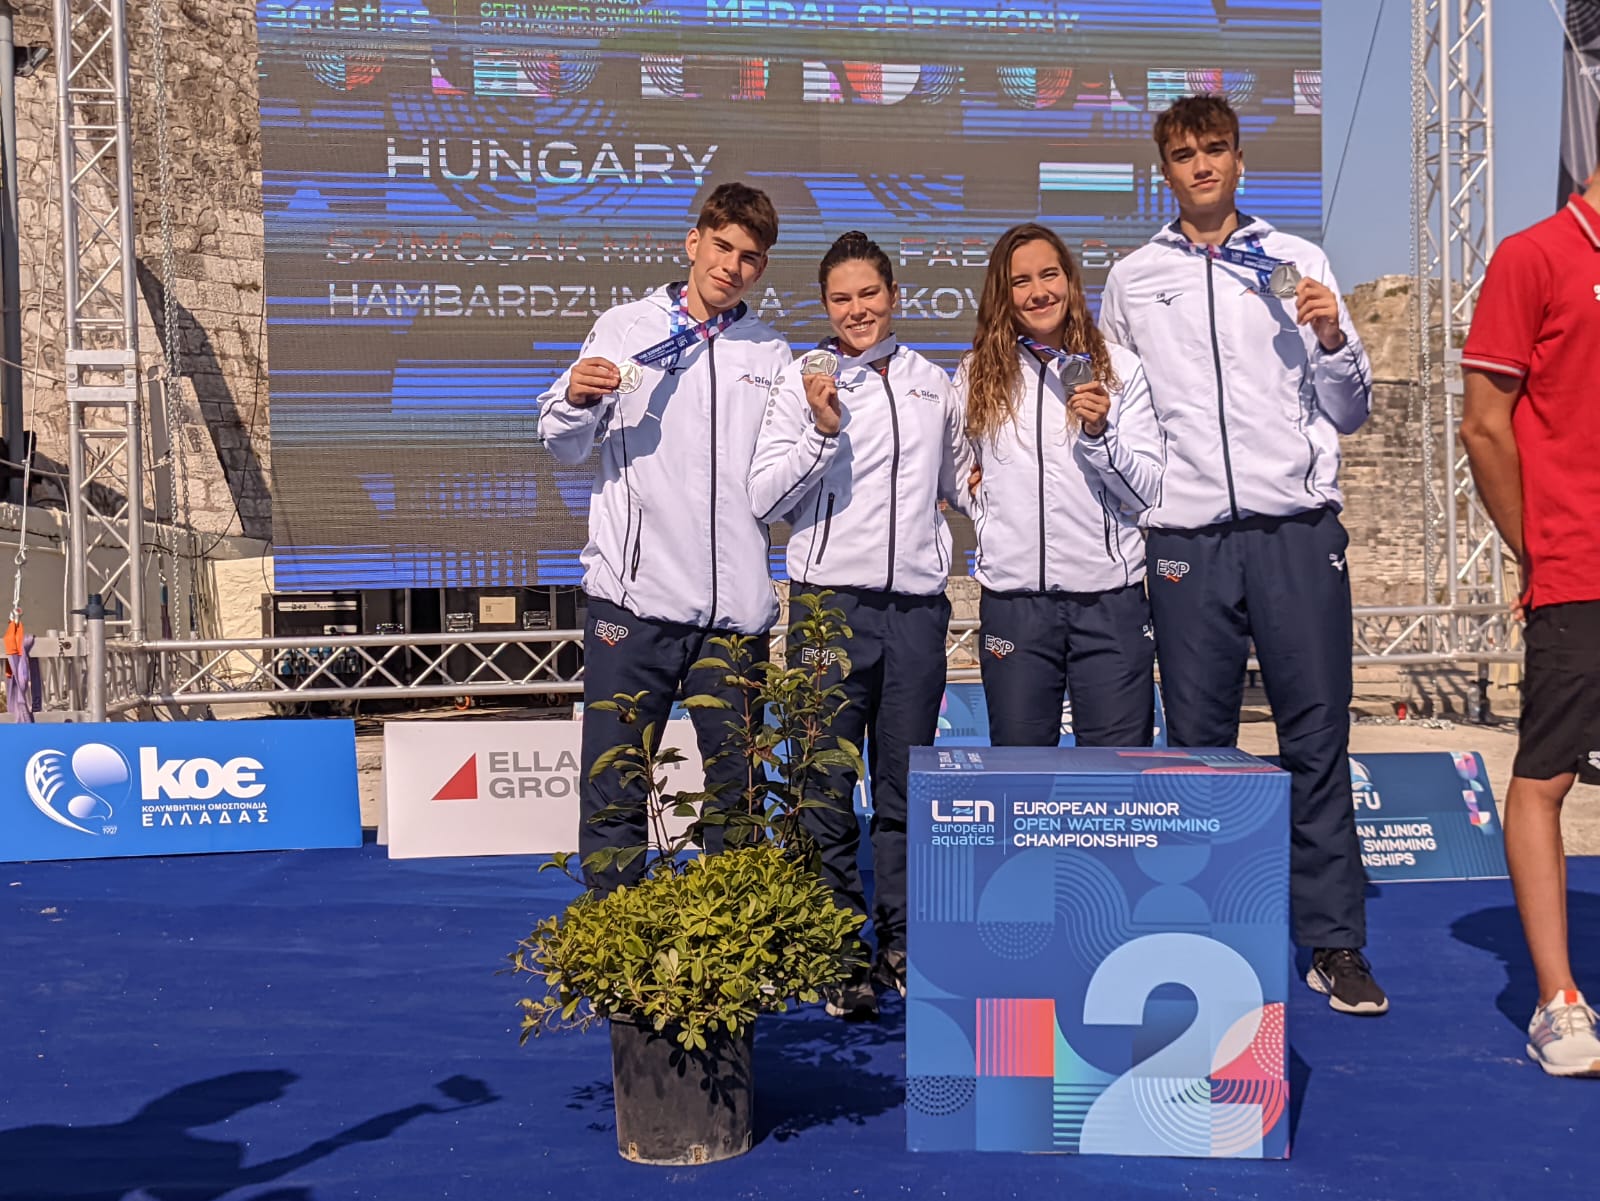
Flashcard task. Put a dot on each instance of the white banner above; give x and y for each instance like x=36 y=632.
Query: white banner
x=493 y=787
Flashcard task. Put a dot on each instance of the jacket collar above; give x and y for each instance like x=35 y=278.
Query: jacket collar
x=665 y=298
x=1172 y=234
x=883 y=350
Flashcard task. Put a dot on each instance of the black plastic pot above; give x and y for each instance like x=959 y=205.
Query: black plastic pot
x=676 y=1106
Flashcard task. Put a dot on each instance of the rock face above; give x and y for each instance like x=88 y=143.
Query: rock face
x=216 y=259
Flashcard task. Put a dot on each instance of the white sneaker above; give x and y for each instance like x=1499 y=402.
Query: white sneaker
x=1561 y=1036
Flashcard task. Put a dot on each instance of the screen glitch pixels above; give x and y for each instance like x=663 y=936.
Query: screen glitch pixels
x=455 y=189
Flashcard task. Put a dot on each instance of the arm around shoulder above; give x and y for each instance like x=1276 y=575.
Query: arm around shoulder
x=959 y=456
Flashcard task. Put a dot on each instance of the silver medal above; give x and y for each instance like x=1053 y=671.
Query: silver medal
x=1285 y=280
x=821 y=361
x=632 y=377
x=1076 y=371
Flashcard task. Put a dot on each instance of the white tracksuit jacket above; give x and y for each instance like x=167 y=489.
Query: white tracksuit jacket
x=1250 y=405
x=1059 y=511
x=671 y=534
x=863 y=503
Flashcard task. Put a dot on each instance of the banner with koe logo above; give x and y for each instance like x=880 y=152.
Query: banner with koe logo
x=164 y=788
x=494 y=787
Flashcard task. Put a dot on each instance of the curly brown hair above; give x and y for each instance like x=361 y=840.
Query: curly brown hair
x=991 y=366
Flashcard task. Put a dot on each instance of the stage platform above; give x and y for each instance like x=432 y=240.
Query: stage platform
x=329 y=1026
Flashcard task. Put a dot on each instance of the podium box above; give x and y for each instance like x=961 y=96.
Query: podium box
x=1098 y=952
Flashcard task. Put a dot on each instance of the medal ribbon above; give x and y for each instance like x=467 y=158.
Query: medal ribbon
x=886 y=350
x=1060 y=356
x=686 y=331
x=1251 y=260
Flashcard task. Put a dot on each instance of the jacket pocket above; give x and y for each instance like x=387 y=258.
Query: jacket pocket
x=638 y=543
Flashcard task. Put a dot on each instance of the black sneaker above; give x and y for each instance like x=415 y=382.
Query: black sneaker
x=1345 y=977
x=889 y=973
x=855 y=1000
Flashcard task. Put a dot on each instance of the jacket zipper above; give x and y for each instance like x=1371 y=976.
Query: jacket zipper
x=711 y=361
x=827 y=524
x=1222 y=416
x=894 y=472
x=816 y=512
x=1114 y=548
x=1038 y=450
x=638 y=539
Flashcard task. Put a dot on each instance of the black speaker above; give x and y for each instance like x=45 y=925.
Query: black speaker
x=507 y=610
x=308 y=615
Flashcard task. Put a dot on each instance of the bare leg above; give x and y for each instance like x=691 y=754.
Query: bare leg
x=1538 y=865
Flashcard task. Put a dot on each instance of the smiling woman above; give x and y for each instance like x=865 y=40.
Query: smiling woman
x=862 y=439
x=1070 y=456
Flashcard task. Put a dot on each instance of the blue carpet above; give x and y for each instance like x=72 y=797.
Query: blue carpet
x=324 y=1026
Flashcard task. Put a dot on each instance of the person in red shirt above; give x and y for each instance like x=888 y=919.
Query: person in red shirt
x=1531 y=428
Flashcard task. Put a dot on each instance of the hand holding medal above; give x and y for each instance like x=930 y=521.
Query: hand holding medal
x=594 y=379
x=1316 y=305
x=1090 y=403
x=817 y=368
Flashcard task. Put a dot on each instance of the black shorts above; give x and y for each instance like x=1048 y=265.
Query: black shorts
x=1560 y=727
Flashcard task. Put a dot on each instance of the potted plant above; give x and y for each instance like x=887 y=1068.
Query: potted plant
x=681 y=964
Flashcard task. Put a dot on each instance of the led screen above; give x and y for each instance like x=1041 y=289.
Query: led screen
x=453 y=191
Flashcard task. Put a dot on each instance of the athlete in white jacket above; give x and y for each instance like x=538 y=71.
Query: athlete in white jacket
x=1071 y=458
x=862 y=438
x=671 y=389
x=1255 y=370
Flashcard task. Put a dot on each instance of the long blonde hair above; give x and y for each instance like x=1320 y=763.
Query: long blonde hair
x=991 y=366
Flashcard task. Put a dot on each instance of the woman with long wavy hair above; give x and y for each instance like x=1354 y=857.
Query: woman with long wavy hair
x=1071 y=456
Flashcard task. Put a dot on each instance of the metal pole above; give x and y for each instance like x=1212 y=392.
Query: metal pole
x=130 y=323
x=95 y=616
x=77 y=534
x=1449 y=97
x=10 y=289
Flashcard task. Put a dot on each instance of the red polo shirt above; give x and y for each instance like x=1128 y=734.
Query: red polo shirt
x=1538 y=319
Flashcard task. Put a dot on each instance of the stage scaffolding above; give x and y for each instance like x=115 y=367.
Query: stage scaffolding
x=109 y=666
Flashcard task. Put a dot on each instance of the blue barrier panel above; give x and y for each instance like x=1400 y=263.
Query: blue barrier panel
x=1426 y=816
x=1098 y=952
x=169 y=788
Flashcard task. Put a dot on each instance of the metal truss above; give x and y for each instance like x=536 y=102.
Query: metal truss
x=176 y=674
x=105 y=468
x=1407 y=636
x=1452 y=83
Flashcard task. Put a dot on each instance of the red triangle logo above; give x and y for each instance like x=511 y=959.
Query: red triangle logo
x=463 y=786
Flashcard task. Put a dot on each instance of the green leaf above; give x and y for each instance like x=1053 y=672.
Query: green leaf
x=706 y=702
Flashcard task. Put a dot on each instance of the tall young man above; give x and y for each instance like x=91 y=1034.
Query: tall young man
x=673 y=388
x=1255 y=370
x=1530 y=429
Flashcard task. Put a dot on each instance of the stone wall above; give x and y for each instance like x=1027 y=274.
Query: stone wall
x=1382 y=469
x=215 y=192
